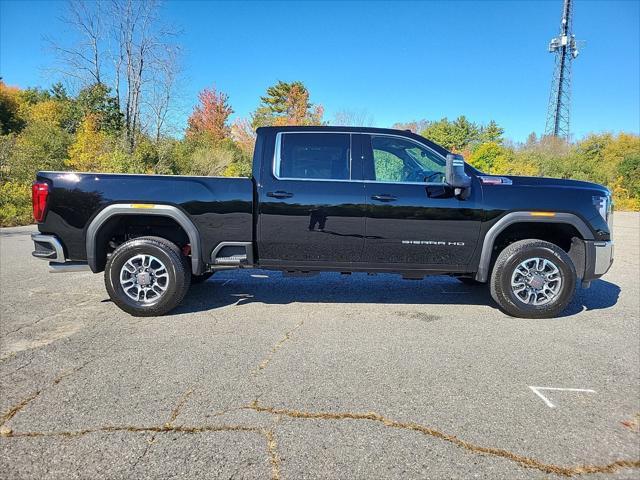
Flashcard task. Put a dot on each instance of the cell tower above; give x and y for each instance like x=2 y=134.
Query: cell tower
x=565 y=48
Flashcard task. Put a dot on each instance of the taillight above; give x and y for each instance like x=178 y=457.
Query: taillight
x=39 y=194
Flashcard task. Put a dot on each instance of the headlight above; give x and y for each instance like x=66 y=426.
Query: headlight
x=603 y=205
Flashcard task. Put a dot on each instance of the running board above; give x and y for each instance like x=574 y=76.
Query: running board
x=67 y=267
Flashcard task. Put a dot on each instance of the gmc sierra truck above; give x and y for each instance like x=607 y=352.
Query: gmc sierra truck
x=338 y=199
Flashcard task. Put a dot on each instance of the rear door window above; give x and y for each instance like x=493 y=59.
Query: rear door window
x=319 y=156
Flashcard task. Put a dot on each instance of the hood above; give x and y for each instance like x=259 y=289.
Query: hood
x=556 y=183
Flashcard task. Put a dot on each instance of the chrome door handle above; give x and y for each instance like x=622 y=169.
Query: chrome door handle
x=384 y=198
x=279 y=194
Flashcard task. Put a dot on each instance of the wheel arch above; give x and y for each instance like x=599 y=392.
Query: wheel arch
x=167 y=211
x=527 y=217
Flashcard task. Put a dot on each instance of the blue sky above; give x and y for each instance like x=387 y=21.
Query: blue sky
x=398 y=61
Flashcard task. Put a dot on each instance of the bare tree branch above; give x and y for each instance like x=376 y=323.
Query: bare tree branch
x=85 y=54
x=353 y=118
x=123 y=44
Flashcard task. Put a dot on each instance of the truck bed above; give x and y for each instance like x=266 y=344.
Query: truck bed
x=220 y=207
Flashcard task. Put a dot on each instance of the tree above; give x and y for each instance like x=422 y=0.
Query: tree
x=163 y=90
x=491 y=133
x=244 y=136
x=124 y=44
x=457 y=136
x=490 y=158
x=59 y=92
x=211 y=115
x=96 y=101
x=287 y=104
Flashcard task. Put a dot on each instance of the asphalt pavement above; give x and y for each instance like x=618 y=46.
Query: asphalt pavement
x=261 y=376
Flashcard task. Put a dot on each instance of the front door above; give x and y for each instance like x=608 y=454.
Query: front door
x=414 y=220
x=312 y=201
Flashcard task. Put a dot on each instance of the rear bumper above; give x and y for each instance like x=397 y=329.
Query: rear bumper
x=48 y=247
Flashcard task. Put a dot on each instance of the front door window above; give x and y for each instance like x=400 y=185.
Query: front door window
x=399 y=160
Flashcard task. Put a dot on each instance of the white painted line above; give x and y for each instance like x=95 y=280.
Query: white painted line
x=536 y=390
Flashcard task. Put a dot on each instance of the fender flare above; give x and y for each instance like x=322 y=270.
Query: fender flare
x=482 y=274
x=143 y=209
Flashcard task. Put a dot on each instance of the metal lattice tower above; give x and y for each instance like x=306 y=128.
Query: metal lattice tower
x=566 y=50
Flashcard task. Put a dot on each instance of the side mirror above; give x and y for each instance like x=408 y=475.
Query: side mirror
x=455 y=175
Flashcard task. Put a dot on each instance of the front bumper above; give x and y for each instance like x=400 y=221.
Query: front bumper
x=599 y=258
x=604 y=257
x=48 y=247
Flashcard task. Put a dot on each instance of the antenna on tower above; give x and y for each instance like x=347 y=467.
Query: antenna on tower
x=565 y=48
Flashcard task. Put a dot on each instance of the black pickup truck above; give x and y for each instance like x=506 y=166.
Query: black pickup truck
x=329 y=199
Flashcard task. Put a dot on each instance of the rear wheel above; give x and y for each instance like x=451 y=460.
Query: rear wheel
x=147 y=276
x=533 y=279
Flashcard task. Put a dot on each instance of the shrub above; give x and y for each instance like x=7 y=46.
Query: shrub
x=15 y=204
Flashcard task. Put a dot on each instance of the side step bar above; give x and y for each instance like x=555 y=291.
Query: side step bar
x=232 y=254
x=231 y=260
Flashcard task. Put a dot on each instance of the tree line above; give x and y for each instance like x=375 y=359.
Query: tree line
x=52 y=130
x=119 y=107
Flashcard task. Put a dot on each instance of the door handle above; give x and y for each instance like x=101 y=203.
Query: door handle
x=384 y=198
x=279 y=194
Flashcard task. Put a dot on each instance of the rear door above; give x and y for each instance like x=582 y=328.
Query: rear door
x=311 y=201
x=414 y=219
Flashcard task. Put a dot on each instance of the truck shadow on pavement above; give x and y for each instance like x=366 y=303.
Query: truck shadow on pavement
x=243 y=287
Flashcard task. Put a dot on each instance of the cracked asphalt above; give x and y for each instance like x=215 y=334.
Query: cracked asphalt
x=260 y=376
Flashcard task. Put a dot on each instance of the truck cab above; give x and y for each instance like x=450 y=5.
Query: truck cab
x=352 y=199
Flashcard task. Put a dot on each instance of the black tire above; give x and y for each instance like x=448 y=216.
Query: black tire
x=195 y=279
x=471 y=282
x=177 y=267
x=503 y=270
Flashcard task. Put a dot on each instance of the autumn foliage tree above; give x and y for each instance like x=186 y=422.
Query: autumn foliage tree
x=211 y=115
x=11 y=120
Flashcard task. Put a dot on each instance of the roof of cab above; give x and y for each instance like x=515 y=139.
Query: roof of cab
x=369 y=130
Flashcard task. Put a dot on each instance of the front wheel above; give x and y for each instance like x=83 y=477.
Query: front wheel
x=147 y=276
x=533 y=279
